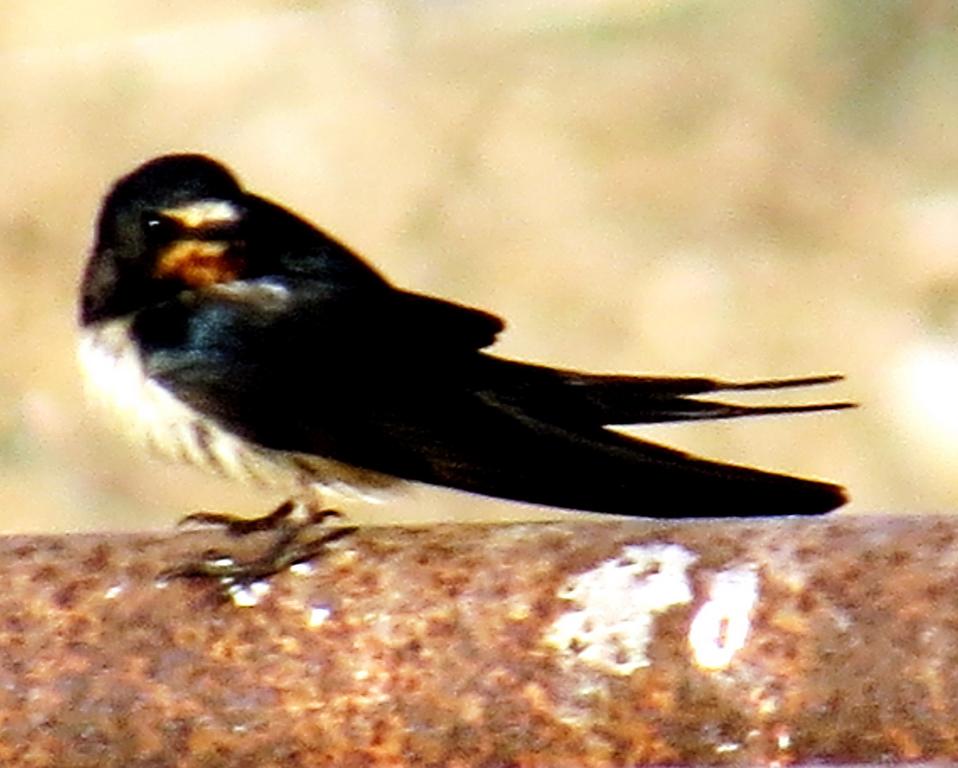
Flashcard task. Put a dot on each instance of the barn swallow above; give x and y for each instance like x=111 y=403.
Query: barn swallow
x=227 y=331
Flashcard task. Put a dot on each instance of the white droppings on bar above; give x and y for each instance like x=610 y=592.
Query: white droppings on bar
x=610 y=623
x=721 y=625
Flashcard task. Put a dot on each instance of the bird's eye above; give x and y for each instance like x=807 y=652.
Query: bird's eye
x=159 y=229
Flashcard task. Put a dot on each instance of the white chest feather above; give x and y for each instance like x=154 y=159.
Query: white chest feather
x=152 y=416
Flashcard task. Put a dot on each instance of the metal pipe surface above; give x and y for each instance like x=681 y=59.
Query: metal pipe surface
x=829 y=641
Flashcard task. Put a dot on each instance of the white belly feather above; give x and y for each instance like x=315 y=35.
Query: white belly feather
x=147 y=412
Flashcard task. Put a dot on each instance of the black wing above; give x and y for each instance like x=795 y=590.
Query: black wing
x=395 y=382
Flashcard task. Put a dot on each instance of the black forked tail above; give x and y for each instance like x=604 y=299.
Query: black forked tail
x=548 y=443
x=647 y=400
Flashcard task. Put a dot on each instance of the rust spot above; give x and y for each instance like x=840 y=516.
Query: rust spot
x=200 y=263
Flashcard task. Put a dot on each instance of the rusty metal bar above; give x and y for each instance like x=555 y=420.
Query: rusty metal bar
x=787 y=642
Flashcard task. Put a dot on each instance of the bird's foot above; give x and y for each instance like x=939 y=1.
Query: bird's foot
x=280 y=519
x=289 y=547
x=283 y=553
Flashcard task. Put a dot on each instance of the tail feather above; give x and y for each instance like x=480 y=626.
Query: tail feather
x=790 y=383
x=687 y=409
x=548 y=444
x=572 y=398
x=616 y=474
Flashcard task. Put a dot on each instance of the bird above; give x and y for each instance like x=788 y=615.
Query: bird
x=221 y=329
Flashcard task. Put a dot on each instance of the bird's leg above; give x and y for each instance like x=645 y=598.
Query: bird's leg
x=285 y=551
x=279 y=519
x=287 y=521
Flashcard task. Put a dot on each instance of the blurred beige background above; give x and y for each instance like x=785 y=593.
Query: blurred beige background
x=743 y=189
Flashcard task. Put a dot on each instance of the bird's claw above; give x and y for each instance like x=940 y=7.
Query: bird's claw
x=287 y=549
x=240 y=526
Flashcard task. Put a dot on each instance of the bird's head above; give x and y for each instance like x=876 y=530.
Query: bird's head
x=183 y=223
x=175 y=223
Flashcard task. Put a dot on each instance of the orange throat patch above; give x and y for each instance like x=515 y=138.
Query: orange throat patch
x=200 y=263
